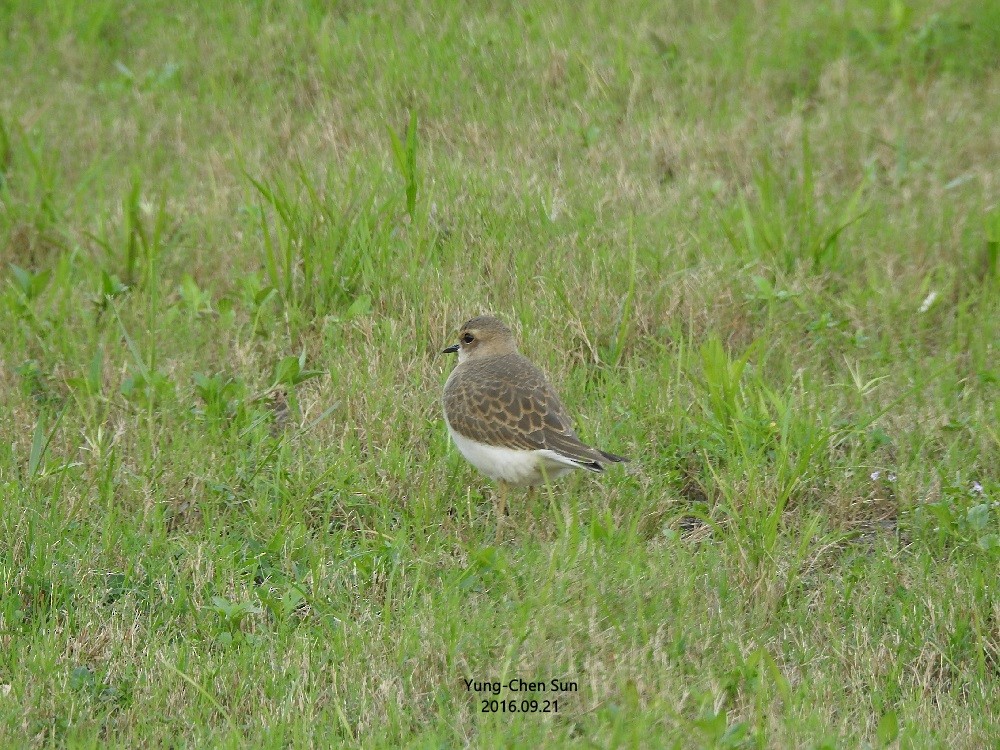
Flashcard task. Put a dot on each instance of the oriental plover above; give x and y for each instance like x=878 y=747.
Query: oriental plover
x=506 y=418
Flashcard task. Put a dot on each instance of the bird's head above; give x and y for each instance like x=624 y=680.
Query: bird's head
x=484 y=336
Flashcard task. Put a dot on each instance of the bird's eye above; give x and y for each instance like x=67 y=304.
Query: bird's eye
x=468 y=338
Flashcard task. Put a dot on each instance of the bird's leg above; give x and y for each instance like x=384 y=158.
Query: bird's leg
x=532 y=494
x=500 y=507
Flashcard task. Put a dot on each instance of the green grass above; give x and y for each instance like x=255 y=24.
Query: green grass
x=755 y=246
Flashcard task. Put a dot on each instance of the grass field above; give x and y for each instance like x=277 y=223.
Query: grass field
x=755 y=245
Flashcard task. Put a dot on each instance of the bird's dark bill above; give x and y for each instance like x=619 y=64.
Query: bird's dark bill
x=451 y=349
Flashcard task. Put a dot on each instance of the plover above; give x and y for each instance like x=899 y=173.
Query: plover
x=505 y=417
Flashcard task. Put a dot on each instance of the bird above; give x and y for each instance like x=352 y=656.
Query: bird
x=505 y=417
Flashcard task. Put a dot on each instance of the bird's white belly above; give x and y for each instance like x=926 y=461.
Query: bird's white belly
x=510 y=464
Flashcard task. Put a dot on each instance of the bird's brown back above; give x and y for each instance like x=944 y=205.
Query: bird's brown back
x=506 y=401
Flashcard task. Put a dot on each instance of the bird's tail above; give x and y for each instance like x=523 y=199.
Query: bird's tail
x=613 y=458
